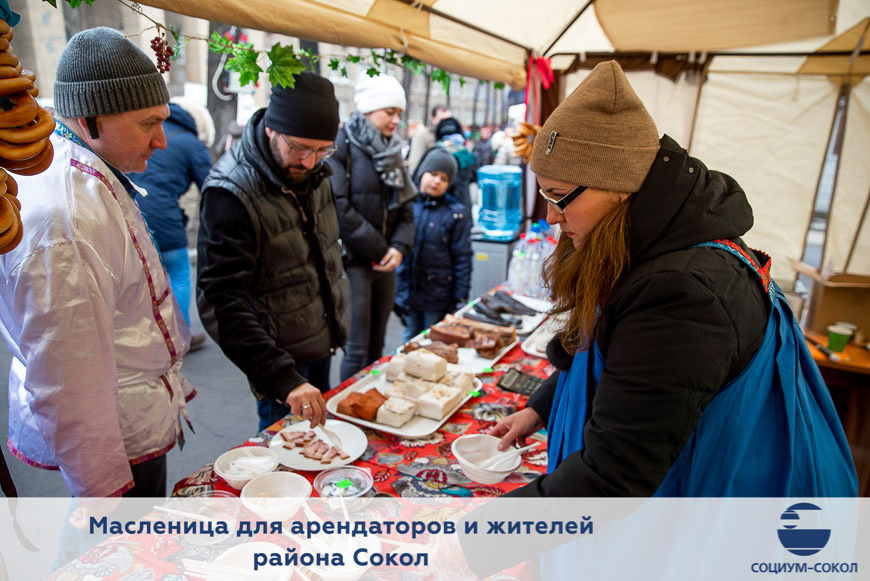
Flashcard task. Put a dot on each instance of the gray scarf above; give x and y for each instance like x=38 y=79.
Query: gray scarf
x=386 y=156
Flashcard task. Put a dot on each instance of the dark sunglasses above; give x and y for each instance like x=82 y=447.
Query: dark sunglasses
x=562 y=203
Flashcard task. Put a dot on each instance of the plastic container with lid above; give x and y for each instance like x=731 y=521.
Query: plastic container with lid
x=345 y=482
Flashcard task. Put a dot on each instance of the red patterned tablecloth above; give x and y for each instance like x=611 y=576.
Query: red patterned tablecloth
x=424 y=467
x=409 y=468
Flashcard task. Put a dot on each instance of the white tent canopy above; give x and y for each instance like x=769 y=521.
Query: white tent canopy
x=754 y=117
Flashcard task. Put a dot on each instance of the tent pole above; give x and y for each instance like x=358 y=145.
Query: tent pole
x=857 y=233
x=834 y=144
x=569 y=25
x=838 y=148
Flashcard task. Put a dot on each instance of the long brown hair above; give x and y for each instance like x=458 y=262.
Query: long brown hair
x=581 y=279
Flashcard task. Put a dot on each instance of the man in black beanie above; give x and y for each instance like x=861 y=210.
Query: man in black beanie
x=271 y=289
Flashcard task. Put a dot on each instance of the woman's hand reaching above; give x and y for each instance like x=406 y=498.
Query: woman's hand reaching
x=516 y=428
x=390 y=262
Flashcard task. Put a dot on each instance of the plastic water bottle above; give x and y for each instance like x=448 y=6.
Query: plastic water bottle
x=501 y=198
x=517 y=271
x=535 y=284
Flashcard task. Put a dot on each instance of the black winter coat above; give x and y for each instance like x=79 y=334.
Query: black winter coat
x=271 y=288
x=437 y=274
x=370 y=218
x=680 y=324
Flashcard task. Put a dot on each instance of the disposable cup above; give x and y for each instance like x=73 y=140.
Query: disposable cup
x=851 y=326
x=838 y=337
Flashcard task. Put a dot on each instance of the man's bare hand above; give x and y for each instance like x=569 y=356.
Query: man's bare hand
x=306 y=401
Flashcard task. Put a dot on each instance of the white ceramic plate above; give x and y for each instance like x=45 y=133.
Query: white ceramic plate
x=349 y=437
x=528 y=323
x=416 y=427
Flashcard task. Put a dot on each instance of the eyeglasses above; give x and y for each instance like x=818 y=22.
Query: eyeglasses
x=304 y=152
x=562 y=203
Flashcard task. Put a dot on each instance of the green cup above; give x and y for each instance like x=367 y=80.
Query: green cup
x=838 y=337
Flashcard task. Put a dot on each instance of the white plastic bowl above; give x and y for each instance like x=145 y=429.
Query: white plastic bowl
x=222 y=464
x=475 y=448
x=276 y=496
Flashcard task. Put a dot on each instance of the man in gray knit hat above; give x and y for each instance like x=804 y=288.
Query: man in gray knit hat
x=95 y=387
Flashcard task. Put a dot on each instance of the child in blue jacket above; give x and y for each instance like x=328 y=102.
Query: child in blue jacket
x=436 y=278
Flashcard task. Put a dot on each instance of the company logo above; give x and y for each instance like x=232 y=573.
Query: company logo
x=798 y=541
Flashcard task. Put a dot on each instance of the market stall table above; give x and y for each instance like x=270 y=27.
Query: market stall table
x=407 y=468
x=849 y=383
x=422 y=467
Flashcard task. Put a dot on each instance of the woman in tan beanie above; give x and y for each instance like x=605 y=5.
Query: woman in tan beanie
x=681 y=362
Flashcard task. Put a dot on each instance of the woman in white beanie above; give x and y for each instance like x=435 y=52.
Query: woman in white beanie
x=373 y=195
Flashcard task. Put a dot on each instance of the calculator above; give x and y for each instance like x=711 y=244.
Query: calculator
x=519 y=382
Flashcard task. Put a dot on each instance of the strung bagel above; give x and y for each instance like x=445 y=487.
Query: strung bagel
x=22 y=164
x=11 y=186
x=3 y=188
x=14 y=201
x=44 y=160
x=4 y=27
x=7 y=72
x=39 y=128
x=14 y=85
x=15 y=241
x=19 y=234
x=18 y=109
x=7 y=216
x=8 y=58
x=28 y=74
x=4 y=43
x=34 y=92
x=24 y=151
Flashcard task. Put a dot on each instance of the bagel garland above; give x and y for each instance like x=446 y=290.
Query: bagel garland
x=25 y=128
x=40 y=162
x=15 y=85
x=9 y=215
x=523 y=140
x=38 y=129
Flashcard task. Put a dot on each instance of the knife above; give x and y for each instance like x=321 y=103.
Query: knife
x=835 y=357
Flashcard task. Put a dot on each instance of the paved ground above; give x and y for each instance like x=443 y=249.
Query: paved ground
x=223 y=415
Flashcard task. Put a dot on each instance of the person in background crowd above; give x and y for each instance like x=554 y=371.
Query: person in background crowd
x=374 y=196
x=483 y=148
x=271 y=289
x=449 y=136
x=189 y=133
x=503 y=146
x=97 y=338
x=680 y=362
x=424 y=138
x=435 y=279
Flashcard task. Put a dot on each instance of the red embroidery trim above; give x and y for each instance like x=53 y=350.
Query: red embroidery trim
x=155 y=302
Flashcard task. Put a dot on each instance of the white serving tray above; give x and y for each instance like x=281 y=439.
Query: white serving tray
x=468 y=357
x=536 y=343
x=528 y=323
x=416 y=427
